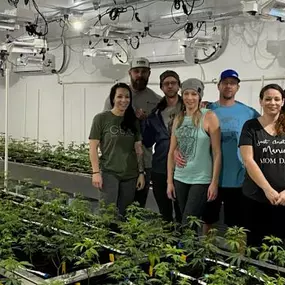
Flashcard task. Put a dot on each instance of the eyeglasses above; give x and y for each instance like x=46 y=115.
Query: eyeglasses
x=170 y=83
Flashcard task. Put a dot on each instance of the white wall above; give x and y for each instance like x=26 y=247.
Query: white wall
x=66 y=110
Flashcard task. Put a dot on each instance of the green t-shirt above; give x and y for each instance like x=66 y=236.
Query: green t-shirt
x=117 y=146
x=145 y=99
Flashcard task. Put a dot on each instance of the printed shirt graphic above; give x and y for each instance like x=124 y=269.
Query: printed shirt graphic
x=194 y=144
x=168 y=115
x=269 y=154
x=147 y=100
x=232 y=119
x=117 y=146
x=187 y=143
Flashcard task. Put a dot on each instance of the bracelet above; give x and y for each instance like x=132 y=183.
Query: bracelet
x=95 y=172
x=141 y=172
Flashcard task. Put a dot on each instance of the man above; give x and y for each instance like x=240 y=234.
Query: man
x=158 y=131
x=144 y=100
x=232 y=115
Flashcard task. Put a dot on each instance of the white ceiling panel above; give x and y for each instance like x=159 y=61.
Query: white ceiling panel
x=160 y=16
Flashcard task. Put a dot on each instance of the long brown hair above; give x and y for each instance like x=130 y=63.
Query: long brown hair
x=280 y=124
x=196 y=117
x=129 y=120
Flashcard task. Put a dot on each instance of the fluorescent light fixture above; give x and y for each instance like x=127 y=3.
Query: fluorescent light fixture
x=8 y=27
x=181 y=13
x=99 y=52
x=35 y=64
x=25 y=44
x=89 y=52
x=24 y=47
x=22 y=15
x=178 y=14
x=36 y=43
x=26 y=38
x=128 y=27
x=26 y=59
x=34 y=57
x=20 y=50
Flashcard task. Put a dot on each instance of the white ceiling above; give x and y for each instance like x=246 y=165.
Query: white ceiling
x=157 y=14
x=162 y=7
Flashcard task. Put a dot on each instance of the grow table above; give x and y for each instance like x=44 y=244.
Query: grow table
x=69 y=182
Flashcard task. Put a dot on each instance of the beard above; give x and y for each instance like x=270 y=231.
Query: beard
x=139 y=84
x=171 y=94
x=228 y=97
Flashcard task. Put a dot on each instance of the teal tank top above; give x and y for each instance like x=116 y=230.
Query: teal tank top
x=195 y=145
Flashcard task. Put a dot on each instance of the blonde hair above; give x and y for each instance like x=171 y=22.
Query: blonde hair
x=196 y=117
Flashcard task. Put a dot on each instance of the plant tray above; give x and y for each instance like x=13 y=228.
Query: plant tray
x=28 y=278
x=67 y=181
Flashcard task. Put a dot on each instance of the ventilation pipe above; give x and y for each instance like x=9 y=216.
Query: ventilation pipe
x=225 y=40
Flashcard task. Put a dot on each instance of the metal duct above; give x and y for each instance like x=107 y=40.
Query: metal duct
x=225 y=40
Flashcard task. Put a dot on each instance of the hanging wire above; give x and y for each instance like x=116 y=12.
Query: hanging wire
x=131 y=42
x=43 y=17
x=127 y=55
x=13 y=2
x=178 y=4
x=158 y=37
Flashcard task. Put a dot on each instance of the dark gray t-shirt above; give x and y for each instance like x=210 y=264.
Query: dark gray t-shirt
x=146 y=100
x=168 y=115
x=269 y=154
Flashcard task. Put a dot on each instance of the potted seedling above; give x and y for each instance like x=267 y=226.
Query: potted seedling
x=67 y=168
x=51 y=242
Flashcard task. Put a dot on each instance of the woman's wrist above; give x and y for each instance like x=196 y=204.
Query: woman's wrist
x=268 y=189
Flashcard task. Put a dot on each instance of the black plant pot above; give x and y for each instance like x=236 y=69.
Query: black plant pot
x=44 y=264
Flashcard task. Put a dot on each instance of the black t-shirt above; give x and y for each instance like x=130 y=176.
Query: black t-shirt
x=269 y=154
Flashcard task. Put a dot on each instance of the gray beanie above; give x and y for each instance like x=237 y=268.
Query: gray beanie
x=194 y=84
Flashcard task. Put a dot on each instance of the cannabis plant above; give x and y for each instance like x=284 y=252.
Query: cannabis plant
x=225 y=276
x=74 y=158
x=272 y=250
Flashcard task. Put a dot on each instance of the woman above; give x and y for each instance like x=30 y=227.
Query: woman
x=121 y=168
x=262 y=146
x=196 y=133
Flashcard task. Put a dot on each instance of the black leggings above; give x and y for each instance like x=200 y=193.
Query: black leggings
x=165 y=205
x=263 y=219
x=192 y=199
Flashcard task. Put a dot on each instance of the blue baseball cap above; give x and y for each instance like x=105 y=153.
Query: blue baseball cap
x=229 y=73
